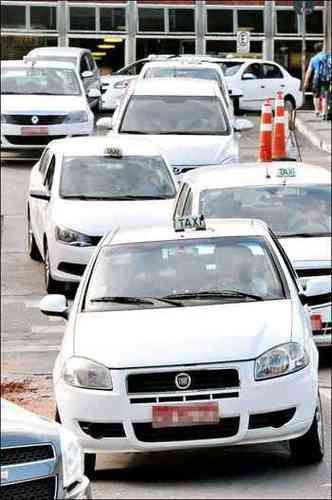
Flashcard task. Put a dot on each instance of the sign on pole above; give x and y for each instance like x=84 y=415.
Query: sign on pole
x=243 y=42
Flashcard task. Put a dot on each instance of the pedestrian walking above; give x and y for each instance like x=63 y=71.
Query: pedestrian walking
x=319 y=70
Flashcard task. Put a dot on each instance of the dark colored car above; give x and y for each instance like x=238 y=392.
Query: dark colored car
x=40 y=459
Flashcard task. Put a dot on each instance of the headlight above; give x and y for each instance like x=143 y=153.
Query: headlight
x=81 y=372
x=77 y=116
x=281 y=360
x=72 y=457
x=73 y=238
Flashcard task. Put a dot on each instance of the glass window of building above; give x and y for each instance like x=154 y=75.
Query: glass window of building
x=43 y=18
x=287 y=21
x=220 y=21
x=252 y=20
x=314 y=22
x=13 y=16
x=182 y=20
x=15 y=47
x=151 y=19
x=83 y=18
x=112 y=19
x=220 y=47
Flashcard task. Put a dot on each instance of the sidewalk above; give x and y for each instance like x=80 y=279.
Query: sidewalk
x=317 y=131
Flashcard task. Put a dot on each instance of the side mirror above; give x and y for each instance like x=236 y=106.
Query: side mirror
x=318 y=291
x=54 y=305
x=94 y=93
x=87 y=74
x=105 y=122
x=242 y=124
x=40 y=195
x=249 y=76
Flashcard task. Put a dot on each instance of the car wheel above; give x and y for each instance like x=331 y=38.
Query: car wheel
x=51 y=285
x=237 y=109
x=90 y=465
x=33 y=250
x=57 y=416
x=309 y=449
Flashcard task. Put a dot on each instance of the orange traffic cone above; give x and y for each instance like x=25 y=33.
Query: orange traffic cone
x=279 y=133
x=265 y=138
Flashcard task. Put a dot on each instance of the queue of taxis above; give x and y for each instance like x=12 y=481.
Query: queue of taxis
x=295 y=201
x=184 y=353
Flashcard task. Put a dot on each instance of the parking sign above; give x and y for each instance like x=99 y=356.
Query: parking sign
x=243 y=41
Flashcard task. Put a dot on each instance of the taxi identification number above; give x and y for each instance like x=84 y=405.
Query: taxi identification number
x=286 y=172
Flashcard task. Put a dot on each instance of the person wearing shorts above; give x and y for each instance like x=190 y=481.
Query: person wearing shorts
x=319 y=87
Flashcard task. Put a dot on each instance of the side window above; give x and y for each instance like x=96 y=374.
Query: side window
x=50 y=174
x=286 y=260
x=133 y=69
x=91 y=62
x=181 y=200
x=254 y=69
x=44 y=161
x=84 y=65
x=188 y=206
x=272 y=71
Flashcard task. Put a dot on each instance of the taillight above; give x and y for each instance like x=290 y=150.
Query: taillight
x=316 y=322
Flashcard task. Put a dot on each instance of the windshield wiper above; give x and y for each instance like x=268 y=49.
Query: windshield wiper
x=133 y=132
x=213 y=294
x=123 y=300
x=304 y=235
x=84 y=197
x=142 y=197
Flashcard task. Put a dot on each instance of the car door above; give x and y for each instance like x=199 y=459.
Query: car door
x=84 y=68
x=47 y=184
x=272 y=81
x=252 y=86
x=95 y=70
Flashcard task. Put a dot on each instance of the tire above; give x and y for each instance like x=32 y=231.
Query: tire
x=309 y=449
x=237 y=109
x=57 y=416
x=90 y=465
x=51 y=285
x=33 y=250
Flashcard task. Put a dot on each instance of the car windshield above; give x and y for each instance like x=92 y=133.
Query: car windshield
x=186 y=272
x=288 y=210
x=183 y=115
x=175 y=72
x=231 y=68
x=105 y=177
x=51 y=57
x=39 y=81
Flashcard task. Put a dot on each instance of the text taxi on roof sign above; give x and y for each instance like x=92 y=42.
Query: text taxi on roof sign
x=216 y=371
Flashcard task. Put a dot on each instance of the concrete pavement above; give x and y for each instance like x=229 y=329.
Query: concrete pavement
x=317 y=131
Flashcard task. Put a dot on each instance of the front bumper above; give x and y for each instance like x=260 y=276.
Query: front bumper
x=121 y=412
x=81 y=492
x=12 y=138
x=68 y=263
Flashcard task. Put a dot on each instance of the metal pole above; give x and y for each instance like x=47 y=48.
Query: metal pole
x=327 y=25
x=200 y=27
x=304 y=45
x=62 y=23
x=269 y=13
x=132 y=30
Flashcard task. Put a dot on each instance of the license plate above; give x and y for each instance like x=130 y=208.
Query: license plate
x=185 y=415
x=34 y=130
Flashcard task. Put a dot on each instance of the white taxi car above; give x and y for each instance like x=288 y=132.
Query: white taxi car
x=175 y=341
x=82 y=188
x=41 y=101
x=186 y=118
x=294 y=199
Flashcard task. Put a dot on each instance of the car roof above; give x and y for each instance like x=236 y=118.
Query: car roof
x=96 y=145
x=36 y=64
x=214 y=229
x=174 y=86
x=255 y=174
x=176 y=63
x=59 y=51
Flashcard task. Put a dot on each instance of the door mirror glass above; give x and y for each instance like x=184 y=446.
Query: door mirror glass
x=54 y=305
x=87 y=74
x=242 y=124
x=249 y=76
x=40 y=195
x=106 y=122
x=94 y=93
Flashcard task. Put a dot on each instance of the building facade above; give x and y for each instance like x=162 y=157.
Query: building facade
x=120 y=32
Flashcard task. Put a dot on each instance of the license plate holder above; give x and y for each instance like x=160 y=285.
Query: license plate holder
x=34 y=130
x=185 y=415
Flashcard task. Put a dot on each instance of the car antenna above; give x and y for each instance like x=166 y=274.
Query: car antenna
x=268 y=176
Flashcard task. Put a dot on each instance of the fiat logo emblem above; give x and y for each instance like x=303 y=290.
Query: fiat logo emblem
x=183 y=381
x=35 y=120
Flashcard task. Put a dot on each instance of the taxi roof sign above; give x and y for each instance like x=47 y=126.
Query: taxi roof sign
x=196 y=222
x=114 y=152
x=286 y=172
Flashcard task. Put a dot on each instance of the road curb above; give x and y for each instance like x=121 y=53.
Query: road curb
x=313 y=136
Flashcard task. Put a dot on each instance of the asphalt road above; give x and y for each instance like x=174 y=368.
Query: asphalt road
x=30 y=343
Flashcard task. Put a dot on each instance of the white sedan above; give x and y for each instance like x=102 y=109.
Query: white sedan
x=174 y=341
x=41 y=101
x=82 y=188
x=186 y=118
x=293 y=198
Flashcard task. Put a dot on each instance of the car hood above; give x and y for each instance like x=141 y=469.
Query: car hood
x=193 y=150
x=96 y=218
x=35 y=104
x=19 y=426
x=176 y=336
x=304 y=250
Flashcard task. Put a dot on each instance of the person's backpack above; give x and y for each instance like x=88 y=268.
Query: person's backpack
x=325 y=69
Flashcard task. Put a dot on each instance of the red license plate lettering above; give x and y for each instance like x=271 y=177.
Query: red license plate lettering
x=185 y=415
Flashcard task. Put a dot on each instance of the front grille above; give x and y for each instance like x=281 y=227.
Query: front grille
x=32 y=140
x=42 y=119
x=39 y=489
x=227 y=427
x=165 y=381
x=103 y=430
x=174 y=399
x=307 y=273
x=274 y=419
x=75 y=269
x=26 y=454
